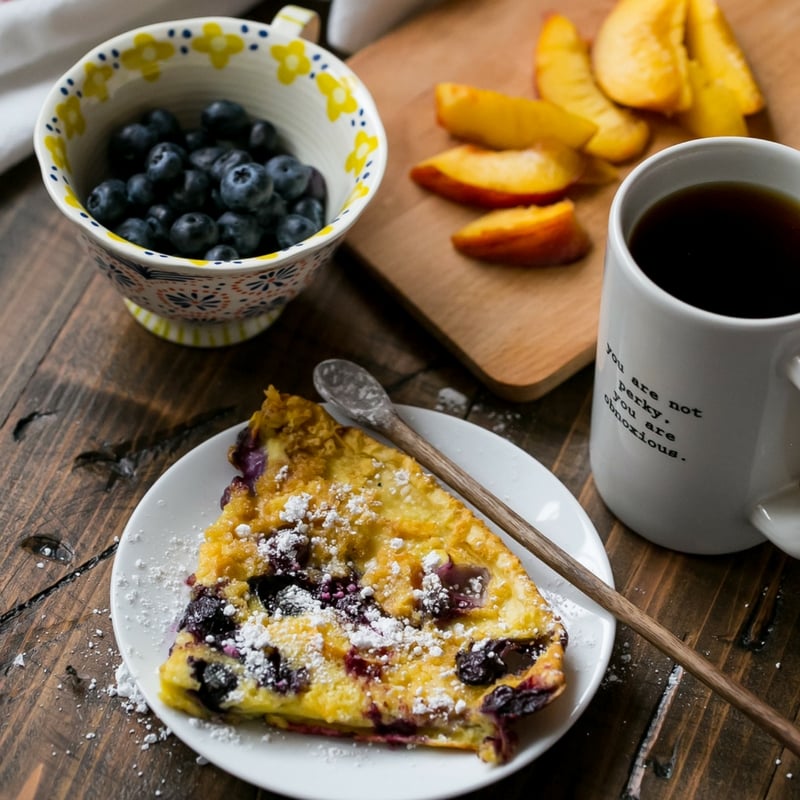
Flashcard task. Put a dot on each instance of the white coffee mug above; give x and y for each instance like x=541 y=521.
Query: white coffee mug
x=695 y=429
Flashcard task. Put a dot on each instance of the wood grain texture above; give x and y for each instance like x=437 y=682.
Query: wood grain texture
x=520 y=330
x=94 y=409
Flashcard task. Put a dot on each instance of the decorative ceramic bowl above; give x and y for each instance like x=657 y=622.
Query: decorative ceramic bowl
x=320 y=108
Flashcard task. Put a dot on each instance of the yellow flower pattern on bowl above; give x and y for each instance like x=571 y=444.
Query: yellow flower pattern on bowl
x=292 y=61
x=146 y=56
x=218 y=45
x=96 y=78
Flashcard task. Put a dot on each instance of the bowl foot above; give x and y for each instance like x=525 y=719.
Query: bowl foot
x=202 y=334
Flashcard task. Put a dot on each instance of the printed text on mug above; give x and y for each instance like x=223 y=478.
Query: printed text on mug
x=639 y=408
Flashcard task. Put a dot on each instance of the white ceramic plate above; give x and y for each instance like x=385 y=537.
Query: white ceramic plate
x=158 y=550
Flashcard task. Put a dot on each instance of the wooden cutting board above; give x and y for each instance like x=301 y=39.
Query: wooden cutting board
x=521 y=331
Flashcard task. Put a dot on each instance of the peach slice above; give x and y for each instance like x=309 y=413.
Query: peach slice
x=479 y=176
x=598 y=172
x=505 y=122
x=711 y=41
x=563 y=75
x=715 y=108
x=639 y=58
x=526 y=236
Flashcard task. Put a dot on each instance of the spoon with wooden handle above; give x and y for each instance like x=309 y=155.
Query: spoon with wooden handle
x=359 y=395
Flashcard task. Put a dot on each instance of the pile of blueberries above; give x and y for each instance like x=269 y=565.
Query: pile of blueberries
x=225 y=190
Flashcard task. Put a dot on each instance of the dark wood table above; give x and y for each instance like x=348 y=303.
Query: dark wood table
x=94 y=408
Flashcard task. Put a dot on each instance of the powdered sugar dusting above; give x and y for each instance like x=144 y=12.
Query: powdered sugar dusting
x=127 y=688
x=452 y=401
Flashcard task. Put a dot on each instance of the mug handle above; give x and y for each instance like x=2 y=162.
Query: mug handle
x=778 y=516
x=298 y=22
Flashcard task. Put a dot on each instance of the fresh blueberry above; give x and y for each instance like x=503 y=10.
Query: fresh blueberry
x=312 y=208
x=289 y=176
x=136 y=230
x=225 y=119
x=159 y=233
x=263 y=140
x=141 y=192
x=193 y=234
x=231 y=158
x=240 y=231
x=164 y=213
x=292 y=229
x=204 y=157
x=170 y=191
x=270 y=212
x=129 y=146
x=221 y=252
x=195 y=138
x=189 y=191
x=159 y=218
x=164 y=162
x=317 y=188
x=246 y=187
x=215 y=203
x=108 y=201
x=165 y=124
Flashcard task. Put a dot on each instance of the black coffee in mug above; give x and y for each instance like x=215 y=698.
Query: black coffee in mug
x=729 y=248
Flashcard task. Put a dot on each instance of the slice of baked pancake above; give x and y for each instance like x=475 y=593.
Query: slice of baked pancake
x=343 y=592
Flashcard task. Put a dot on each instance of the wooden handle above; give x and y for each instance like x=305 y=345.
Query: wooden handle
x=588 y=583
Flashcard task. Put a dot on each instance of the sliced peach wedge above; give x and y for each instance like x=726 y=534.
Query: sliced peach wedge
x=639 y=58
x=563 y=75
x=526 y=236
x=506 y=122
x=711 y=42
x=715 y=109
x=479 y=176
